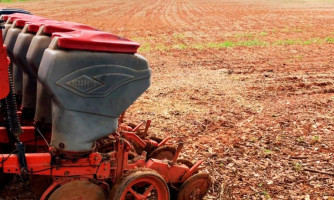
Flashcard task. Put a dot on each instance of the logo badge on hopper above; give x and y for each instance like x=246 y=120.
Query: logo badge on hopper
x=97 y=81
x=83 y=83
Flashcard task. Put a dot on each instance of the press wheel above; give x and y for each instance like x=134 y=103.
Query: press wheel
x=140 y=184
x=155 y=138
x=163 y=153
x=79 y=189
x=186 y=162
x=195 y=188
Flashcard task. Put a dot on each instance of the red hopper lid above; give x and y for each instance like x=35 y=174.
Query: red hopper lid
x=15 y=15
x=34 y=26
x=95 y=41
x=66 y=27
x=20 y=22
x=22 y=16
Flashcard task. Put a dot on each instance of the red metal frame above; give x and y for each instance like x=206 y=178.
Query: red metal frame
x=28 y=136
x=130 y=134
x=94 y=166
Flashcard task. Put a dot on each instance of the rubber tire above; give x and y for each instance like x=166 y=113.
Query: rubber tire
x=184 y=192
x=133 y=175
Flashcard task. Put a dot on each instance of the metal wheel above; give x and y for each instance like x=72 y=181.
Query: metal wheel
x=140 y=184
x=79 y=189
x=163 y=153
x=195 y=188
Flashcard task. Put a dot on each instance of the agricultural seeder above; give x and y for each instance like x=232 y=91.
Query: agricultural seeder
x=64 y=90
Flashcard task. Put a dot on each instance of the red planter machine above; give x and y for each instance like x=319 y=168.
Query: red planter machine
x=65 y=105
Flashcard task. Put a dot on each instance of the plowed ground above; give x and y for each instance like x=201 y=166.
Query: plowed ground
x=247 y=85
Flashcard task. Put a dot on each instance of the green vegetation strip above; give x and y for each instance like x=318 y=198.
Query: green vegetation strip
x=11 y=1
x=229 y=44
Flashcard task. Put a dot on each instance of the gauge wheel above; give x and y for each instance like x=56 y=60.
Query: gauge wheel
x=195 y=188
x=140 y=184
x=78 y=189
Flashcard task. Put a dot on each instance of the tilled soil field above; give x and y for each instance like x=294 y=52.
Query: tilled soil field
x=247 y=85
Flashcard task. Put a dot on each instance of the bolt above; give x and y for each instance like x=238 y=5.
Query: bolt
x=66 y=173
x=61 y=145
